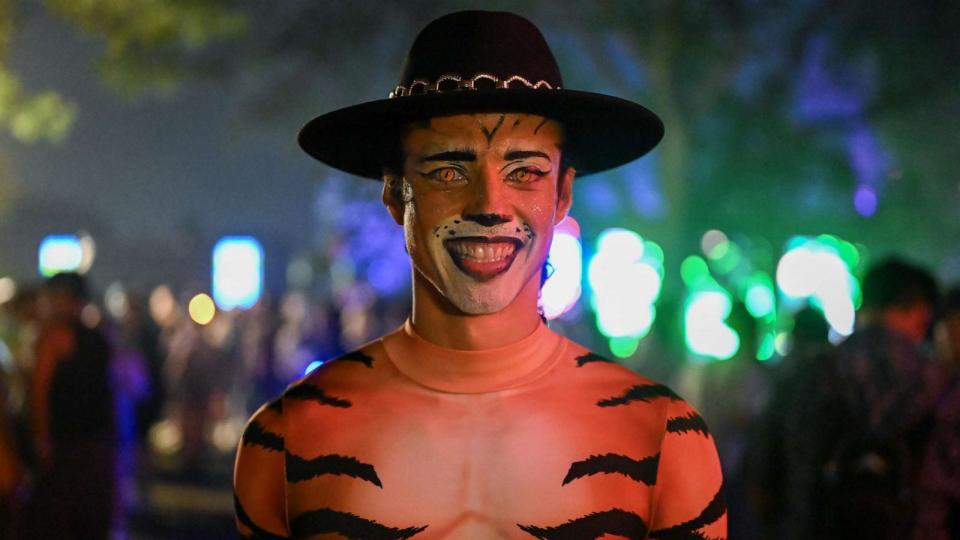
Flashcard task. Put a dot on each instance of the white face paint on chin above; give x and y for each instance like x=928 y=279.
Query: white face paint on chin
x=481 y=269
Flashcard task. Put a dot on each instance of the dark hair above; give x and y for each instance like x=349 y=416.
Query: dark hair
x=70 y=283
x=894 y=282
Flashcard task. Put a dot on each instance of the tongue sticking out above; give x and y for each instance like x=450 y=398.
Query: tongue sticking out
x=482 y=258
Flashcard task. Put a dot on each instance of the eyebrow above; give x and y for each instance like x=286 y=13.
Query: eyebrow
x=452 y=155
x=521 y=154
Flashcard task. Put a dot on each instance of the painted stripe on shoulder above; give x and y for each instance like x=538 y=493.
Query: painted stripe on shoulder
x=308 y=392
x=690 y=422
x=327 y=521
x=688 y=529
x=259 y=533
x=592 y=357
x=300 y=469
x=615 y=522
x=642 y=392
x=256 y=435
x=641 y=470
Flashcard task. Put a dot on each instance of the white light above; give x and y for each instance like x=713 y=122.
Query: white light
x=59 y=253
x=712 y=239
x=815 y=270
x=624 y=286
x=115 y=299
x=620 y=244
x=706 y=332
x=8 y=288
x=562 y=289
x=237 y=272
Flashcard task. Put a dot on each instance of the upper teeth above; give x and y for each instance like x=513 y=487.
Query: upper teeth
x=483 y=251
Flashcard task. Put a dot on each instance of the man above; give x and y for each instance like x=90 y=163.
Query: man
x=73 y=420
x=474 y=420
x=876 y=406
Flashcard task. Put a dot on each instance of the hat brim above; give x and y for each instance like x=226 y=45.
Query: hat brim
x=602 y=131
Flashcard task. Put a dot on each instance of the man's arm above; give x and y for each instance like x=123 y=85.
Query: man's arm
x=259 y=477
x=688 y=497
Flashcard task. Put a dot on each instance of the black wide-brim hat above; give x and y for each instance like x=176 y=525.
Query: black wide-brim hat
x=475 y=62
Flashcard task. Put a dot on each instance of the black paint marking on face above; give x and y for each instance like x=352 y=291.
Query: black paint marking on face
x=517 y=122
x=490 y=133
x=540 y=125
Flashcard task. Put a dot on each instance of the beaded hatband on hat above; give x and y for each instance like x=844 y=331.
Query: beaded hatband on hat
x=449 y=82
x=476 y=62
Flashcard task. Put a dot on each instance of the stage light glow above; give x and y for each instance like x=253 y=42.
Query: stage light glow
x=865 y=201
x=562 y=288
x=8 y=289
x=694 y=272
x=162 y=305
x=312 y=366
x=116 y=301
x=59 y=253
x=237 y=272
x=706 y=331
x=624 y=347
x=625 y=284
x=714 y=244
x=201 y=309
x=819 y=269
x=759 y=296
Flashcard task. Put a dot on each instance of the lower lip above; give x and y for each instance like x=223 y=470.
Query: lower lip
x=482 y=270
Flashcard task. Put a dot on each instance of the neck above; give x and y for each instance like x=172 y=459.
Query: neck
x=436 y=320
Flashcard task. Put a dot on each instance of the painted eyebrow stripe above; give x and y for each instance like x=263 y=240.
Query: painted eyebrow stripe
x=256 y=435
x=616 y=522
x=451 y=155
x=691 y=422
x=641 y=392
x=312 y=393
x=641 y=470
x=300 y=469
x=523 y=154
x=326 y=520
x=686 y=530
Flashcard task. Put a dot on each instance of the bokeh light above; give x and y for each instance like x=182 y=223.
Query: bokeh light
x=625 y=285
x=563 y=287
x=201 y=309
x=59 y=253
x=8 y=288
x=706 y=331
x=237 y=272
x=819 y=270
x=865 y=201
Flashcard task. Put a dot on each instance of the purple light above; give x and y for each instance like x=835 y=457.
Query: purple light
x=865 y=201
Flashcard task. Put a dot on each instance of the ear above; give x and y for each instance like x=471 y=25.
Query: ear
x=564 y=194
x=394 y=206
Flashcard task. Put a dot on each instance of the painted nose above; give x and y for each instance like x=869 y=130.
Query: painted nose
x=488 y=205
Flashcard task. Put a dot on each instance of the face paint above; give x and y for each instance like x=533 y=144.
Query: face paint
x=482 y=204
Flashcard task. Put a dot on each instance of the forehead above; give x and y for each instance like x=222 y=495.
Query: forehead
x=483 y=130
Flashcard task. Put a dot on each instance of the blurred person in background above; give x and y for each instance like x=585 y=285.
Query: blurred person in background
x=785 y=460
x=884 y=387
x=938 y=495
x=475 y=420
x=72 y=420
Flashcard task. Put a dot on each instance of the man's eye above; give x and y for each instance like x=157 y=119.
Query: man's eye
x=446 y=175
x=526 y=174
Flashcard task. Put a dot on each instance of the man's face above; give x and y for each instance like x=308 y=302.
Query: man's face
x=481 y=194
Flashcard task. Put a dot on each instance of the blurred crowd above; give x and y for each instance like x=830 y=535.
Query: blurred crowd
x=855 y=438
